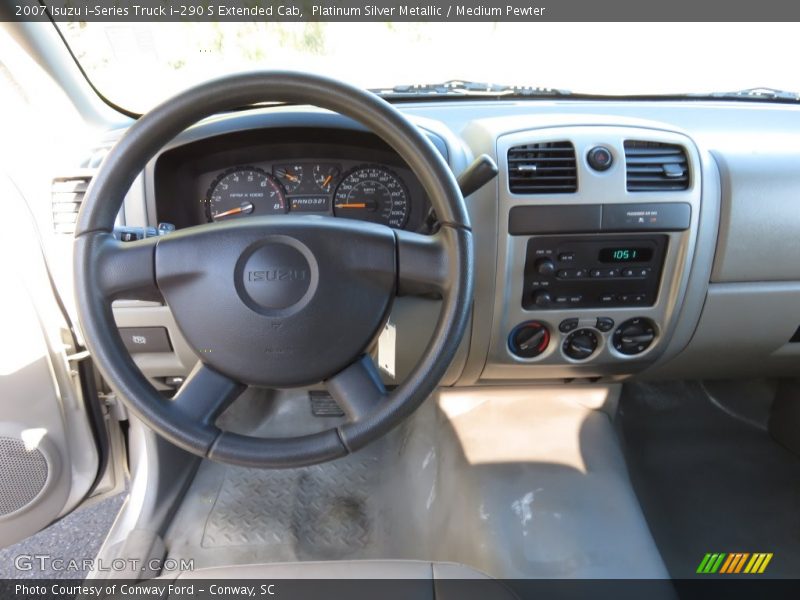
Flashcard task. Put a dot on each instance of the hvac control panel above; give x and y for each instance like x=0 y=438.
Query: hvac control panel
x=592 y=271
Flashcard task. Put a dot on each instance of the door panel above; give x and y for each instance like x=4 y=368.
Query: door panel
x=49 y=452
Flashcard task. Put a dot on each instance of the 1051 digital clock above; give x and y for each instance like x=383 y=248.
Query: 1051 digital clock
x=625 y=254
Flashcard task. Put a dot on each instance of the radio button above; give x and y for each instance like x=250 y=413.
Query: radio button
x=575 y=299
x=566 y=257
x=572 y=273
x=607 y=298
x=598 y=273
x=636 y=272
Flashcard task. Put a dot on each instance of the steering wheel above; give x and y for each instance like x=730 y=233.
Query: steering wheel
x=275 y=301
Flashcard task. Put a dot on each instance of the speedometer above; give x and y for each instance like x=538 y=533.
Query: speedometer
x=242 y=191
x=372 y=193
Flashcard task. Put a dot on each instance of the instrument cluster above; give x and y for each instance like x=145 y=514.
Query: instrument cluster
x=365 y=191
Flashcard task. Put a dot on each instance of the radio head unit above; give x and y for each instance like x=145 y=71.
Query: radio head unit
x=592 y=271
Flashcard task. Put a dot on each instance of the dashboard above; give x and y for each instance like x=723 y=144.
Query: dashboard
x=620 y=239
x=240 y=175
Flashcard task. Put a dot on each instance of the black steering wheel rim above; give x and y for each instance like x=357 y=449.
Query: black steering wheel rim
x=105 y=269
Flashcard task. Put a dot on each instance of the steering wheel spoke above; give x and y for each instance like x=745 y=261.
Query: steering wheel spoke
x=423 y=264
x=123 y=269
x=206 y=394
x=357 y=389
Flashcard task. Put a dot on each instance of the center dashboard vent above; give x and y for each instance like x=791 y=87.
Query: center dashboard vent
x=66 y=196
x=543 y=168
x=656 y=167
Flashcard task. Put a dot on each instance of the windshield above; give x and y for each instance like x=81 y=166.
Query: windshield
x=136 y=65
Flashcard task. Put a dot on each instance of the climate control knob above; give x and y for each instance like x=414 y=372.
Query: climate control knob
x=634 y=336
x=580 y=344
x=529 y=339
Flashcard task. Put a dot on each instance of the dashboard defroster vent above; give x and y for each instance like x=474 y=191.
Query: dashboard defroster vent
x=543 y=168
x=66 y=197
x=656 y=167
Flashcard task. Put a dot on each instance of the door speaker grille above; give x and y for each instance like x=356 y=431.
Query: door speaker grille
x=23 y=474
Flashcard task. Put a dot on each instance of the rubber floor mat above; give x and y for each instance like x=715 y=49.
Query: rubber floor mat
x=324 y=511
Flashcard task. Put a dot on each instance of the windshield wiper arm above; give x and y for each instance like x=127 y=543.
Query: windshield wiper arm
x=756 y=93
x=458 y=87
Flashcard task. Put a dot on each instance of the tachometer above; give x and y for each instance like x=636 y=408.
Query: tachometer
x=243 y=191
x=372 y=193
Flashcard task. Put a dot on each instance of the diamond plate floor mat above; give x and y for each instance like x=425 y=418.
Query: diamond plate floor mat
x=325 y=510
x=352 y=508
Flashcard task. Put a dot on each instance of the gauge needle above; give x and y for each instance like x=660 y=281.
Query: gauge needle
x=246 y=207
x=352 y=205
x=327 y=181
x=290 y=177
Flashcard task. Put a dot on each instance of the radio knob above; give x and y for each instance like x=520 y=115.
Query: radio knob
x=580 y=344
x=542 y=298
x=545 y=266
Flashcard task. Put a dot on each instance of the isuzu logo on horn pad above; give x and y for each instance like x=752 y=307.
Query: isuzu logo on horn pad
x=276 y=275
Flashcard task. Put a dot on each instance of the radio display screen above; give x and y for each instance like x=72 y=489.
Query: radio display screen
x=625 y=254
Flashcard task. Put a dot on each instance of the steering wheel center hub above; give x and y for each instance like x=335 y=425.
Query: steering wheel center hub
x=276 y=276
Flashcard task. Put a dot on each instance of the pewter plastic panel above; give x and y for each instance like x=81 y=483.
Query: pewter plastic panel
x=744 y=331
x=608 y=187
x=760 y=218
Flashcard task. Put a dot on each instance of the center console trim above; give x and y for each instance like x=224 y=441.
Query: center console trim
x=595 y=191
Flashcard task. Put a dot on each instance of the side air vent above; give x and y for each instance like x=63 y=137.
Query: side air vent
x=545 y=168
x=656 y=167
x=66 y=197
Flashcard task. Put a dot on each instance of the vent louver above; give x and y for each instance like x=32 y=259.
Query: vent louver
x=656 y=167
x=66 y=197
x=544 y=168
